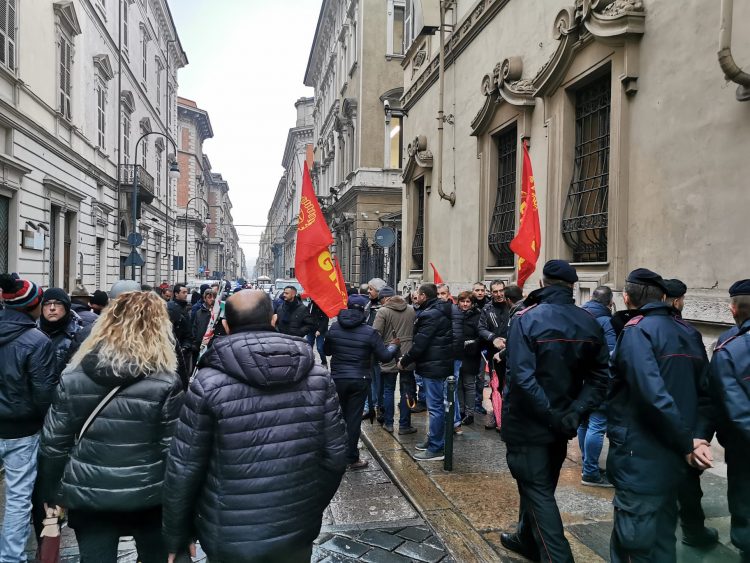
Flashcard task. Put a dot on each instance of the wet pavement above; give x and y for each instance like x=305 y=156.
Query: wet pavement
x=470 y=506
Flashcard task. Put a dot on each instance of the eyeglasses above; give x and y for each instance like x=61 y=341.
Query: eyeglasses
x=53 y=304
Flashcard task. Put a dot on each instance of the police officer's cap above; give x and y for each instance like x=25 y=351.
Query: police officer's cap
x=675 y=288
x=644 y=276
x=560 y=270
x=741 y=287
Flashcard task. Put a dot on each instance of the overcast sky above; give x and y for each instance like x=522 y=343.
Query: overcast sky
x=247 y=60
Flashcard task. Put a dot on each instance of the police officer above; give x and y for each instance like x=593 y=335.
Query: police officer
x=730 y=366
x=557 y=373
x=689 y=493
x=658 y=417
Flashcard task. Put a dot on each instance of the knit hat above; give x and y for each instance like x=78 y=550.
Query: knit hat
x=57 y=294
x=23 y=295
x=377 y=284
x=387 y=291
x=99 y=298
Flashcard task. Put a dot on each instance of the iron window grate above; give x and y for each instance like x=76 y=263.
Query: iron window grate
x=4 y=233
x=585 y=218
x=502 y=223
x=417 y=245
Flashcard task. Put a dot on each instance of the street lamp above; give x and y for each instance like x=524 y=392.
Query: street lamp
x=208 y=217
x=174 y=172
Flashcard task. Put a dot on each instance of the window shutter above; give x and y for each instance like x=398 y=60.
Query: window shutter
x=11 y=32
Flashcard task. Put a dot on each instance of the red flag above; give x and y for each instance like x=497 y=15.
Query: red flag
x=528 y=242
x=315 y=269
x=438 y=279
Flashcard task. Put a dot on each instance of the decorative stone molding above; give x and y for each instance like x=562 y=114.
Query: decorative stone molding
x=419 y=156
x=65 y=11
x=104 y=67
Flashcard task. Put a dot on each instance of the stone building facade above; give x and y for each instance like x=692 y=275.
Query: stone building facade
x=278 y=240
x=355 y=68
x=80 y=82
x=638 y=144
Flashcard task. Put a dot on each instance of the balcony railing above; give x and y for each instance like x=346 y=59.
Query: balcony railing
x=145 y=181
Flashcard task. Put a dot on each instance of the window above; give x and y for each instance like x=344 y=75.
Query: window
x=125 y=136
x=8 y=34
x=100 y=266
x=54 y=215
x=408 y=24
x=585 y=218
x=66 y=64
x=4 y=233
x=159 y=160
x=502 y=222
x=158 y=86
x=396 y=15
x=395 y=142
x=101 y=113
x=144 y=156
x=417 y=246
x=125 y=25
x=144 y=54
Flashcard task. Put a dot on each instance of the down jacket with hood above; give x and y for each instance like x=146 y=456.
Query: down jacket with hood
x=395 y=319
x=259 y=449
x=432 y=347
x=352 y=342
x=119 y=464
x=27 y=375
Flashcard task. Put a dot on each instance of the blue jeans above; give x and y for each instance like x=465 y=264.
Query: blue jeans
x=389 y=392
x=434 y=395
x=19 y=459
x=318 y=341
x=591 y=440
x=421 y=397
x=375 y=396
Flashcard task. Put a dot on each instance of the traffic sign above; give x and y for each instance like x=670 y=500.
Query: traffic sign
x=135 y=239
x=134 y=259
x=385 y=237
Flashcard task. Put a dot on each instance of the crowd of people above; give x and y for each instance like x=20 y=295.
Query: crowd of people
x=146 y=413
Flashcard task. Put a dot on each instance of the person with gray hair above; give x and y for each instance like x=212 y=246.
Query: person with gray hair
x=375 y=399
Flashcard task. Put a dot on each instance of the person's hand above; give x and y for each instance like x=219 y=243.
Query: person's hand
x=399 y=366
x=496 y=357
x=701 y=457
x=396 y=342
x=191 y=549
x=499 y=343
x=317 y=333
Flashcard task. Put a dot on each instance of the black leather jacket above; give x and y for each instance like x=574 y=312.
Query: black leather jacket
x=27 y=375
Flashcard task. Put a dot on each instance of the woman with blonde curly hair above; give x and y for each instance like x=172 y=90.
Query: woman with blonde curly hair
x=105 y=439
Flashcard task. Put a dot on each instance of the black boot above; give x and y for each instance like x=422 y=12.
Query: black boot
x=512 y=542
x=704 y=537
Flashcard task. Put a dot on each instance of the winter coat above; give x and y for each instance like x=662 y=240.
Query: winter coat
x=432 y=347
x=468 y=346
x=395 y=319
x=259 y=450
x=27 y=375
x=85 y=314
x=658 y=401
x=371 y=310
x=493 y=322
x=603 y=316
x=730 y=386
x=557 y=365
x=294 y=320
x=320 y=318
x=119 y=464
x=351 y=343
x=65 y=343
x=180 y=317
x=200 y=323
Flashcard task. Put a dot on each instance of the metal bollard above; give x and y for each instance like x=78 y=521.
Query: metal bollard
x=450 y=412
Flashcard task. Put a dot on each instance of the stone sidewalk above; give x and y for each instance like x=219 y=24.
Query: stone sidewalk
x=469 y=507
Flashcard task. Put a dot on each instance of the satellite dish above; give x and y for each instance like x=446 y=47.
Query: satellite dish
x=385 y=237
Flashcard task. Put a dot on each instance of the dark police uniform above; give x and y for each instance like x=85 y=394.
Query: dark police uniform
x=658 y=402
x=730 y=382
x=557 y=374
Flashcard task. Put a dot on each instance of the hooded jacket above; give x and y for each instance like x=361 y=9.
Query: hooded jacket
x=259 y=450
x=604 y=317
x=119 y=464
x=84 y=312
x=27 y=375
x=395 y=319
x=432 y=347
x=351 y=343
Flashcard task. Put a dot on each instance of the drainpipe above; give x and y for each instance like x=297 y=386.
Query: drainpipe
x=441 y=114
x=726 y=60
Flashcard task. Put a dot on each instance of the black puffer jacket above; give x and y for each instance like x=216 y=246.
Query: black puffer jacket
x=351 y=343
x=432 y=349
x=259 y=450
x=293 y=319
x=179 y=314
x=470 y=342
x=85 y=314
x=27 y=376
x=119 y=463
x=64 y=341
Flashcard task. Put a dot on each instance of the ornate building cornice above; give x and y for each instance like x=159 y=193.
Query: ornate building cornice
x=419 y=157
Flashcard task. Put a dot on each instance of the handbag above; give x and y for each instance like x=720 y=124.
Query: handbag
x=103 y=403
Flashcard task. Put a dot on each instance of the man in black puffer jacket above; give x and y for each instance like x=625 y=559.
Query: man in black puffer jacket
x=292 y=316
x=28 y=382
x=432 y=351
x=259 y=450
x=351 y=343
x=61 y=324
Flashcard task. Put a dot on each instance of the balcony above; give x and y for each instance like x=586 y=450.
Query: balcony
x=145 y=182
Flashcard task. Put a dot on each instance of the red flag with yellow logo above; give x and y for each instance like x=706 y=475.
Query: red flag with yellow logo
x=316 y=271
x=528 y=242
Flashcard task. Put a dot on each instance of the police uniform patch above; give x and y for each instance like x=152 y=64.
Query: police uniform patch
x=634 y=321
